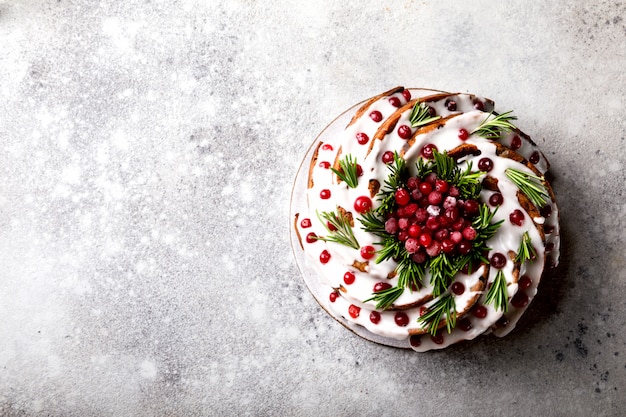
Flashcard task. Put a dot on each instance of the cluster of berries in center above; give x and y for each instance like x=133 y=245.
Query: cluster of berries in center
x=431 y=218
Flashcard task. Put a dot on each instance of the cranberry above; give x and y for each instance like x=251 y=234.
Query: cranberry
x=327 y=147
x=456 y=236
x=391 y=225
x=305 y=223
x=311 y=238
x=410 y=209
x=375 y=317
x=331 y=227
x=404 y=132
x=425 y=239
x=401 y=319
x=495 y=199
x=387 y=157
x=517 y=217
x=459 y=224
x=325 y=164
x=524 y=282
x=412 y=183
x=362 y=138
x=447 y=246
x=411 y=245
x=333 y=296
x=381 y=286
x=363 y=204
x=437 y=338
x=415 y=230
x=376 y=116
x=534 y=157
x=451 y=105
x=403 y=235
x=479 y=105
x=432 y=223
x=406 y=94
x=485 y=164
x=471 y=207
x=519 y=300
x=354 y=311
x=502 y=322
x=441 y=234
x=464 y=247
x=463 y=134
x=394 y=101
x=435 y=197
x=464 y=324
x=434 y=249
x=421 y=215
x=516 y=143
x=431 y=178
x=427 y=150
x=498 y=260
x=402 y=196
x=546 y=211
x=349 y=278
x=368 y=252
x=415 y=341
x=469 y=233
x=548 y=229
x=451 y=214
x=454 y=191
x=419 y=257
x=457 y=288
x=425 y=188
x=442 y=186
x=324 y=256
x=479 y=312
x=325 y=194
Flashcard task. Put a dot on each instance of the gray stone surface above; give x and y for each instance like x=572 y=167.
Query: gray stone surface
x=147 y=151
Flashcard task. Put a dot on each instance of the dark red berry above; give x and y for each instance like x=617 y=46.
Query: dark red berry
x=479 y=105
x=415 y=341
x=457 y=288
x=325 y=164
x=519 y=300
x=471 y=207
x=517 y=217
x=464 y=324
x=442 y=186
x=435 y=197
x=327 y=147
x=375 y=317
x=331 y=226
x=502 y=322
x=428 y=150
x=516 y=143
x=324 y=256
x=451 y=105
x=395 y=101
x=495 y=199
x=363 y=204
x=387 y=157
x=354 y=311
x=534 y=157
x=381 y=286
x=524 y=282
x=376 y=116
x=485 y=164
x=325 y=194
x=368 y=252
x=411 y=245
x=463 y=134
x=362 y=138
x=479 y=312
x=447 y=246
x=425 y=239
x=415 y=230
x=425 y=188
x=469 y=233
x=406 y=94
x=349 y=278
x=305 y=223
x=498 y=260
x=464 y=247
x=391 y=225
x=437 y=338
x=333 y=296
x=401 y=319
x=402 y=196
x=404 y=132
x=546 y=211
x=311 y=238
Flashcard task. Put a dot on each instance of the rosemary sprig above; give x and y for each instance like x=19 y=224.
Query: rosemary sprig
x=498 y=294
x=420 y=115
x=526 y=250
x=348 y=171
x=395 y=180
x=493 y=128
x=410 y=275
x=343 y=233
x=531 y=185
x=444 y=306
x=442 y=270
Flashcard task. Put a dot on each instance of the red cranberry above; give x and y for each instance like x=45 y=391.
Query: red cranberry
x=502 y=322
x=534 y=157
x=516 y=143
x=403 y=235
x=311 y=238
x=404 y=132
x=391 y=225
x=415 y=230
x=425 y=188
x=456 y=236
x=454 y=191
x=479 y=105
x=471 y=207
x=479 y=312
x=432 y=223
x=376 y=116
x=411 y=245
x=327 y=147
x=363 y=204
x=368 y=252
x=495 y=199
x=325 y=194
x=305 y=223
x=485 y=164
x=451 y=105
x=524 y=282
x=333 y=296
x=441 y=234
x=410 y=209
x=349 y=278
x=435 y=197
x=331 y=227
x=469 y=233
x=427 y=150
x=406 y=94
x=442 y=186
x=517 y=217
x=463 y=134
x=548 y=229
x=451 y=214
x=434 y=249
x=464 y=324
x=431 y=178
x=437 y=338
x=402 y=196
x=447 y=246
x=324 y=256
x=401 y=319
x=421 y=215
x=546 y=211
x=375 y=317
x=464 y=247
x=394 y=101
x=498 y=260
x=425 y=239
x=362 y=138
x=354 y=311
x=387 y=157
x=519 y=300
x=412 y=183
x=325 y=164
x=457 y=288
x=381 y=286
x=419 y=257
x=415 y=341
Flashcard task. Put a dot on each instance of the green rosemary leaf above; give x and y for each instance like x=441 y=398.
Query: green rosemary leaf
x=420 y=115
x=443 y=307
x=385 y=298
x=410 y=274
x=348 y=171
x=372 y=223
x=493 y=128
x=446 y=166
x=442 y=271
x=343 y=233
x=531 y=185
x=395 y=180
x=498 y=294
x=526 y=250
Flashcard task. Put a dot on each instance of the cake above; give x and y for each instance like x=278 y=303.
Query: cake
x=424 y=218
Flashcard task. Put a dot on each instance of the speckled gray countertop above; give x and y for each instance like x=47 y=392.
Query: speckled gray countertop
x=147 y=154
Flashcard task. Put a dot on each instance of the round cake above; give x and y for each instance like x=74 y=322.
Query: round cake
x=423 y=218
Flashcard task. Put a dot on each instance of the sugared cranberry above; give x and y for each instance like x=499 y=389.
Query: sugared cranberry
x=349 y=278
x=451 y=105
x=406 y=94
x=534 y=157
x=435 y=197
x=327 y=147
x=376 y=116
x=456 y=236
x=421 y=215
x=354 y=311
x=437 y=338
x=457 y=288
x=311 y=238
x=427 y=150
x=368 y=252
x=516 y=143
x=431 y=178
x=517 y=217
x=498 y=260
x=363 y=204
x=434 y=248
x=333 y=296
x=464 y=324
x=375 y=317
x=402 y=196
x=395 y=101
x=479 y=312
x=401 y=319
x=391 y=225
x=420 y=256
x=381 y=286
x=454 y=191
x=524 y=282
x=485 y=164
x=519 y=300
x=416 y=341
x=325 y=194
x=404 y=132
x=305 y=223
x=463 y=134
x=411 y=245
x=469 y=233
x=324 y=256
x=479 y=105
x=325 y=164
x=362 y=138
x=495 y=199
x=387 y=157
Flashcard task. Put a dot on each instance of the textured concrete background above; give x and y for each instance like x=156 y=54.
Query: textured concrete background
x=147 y=152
